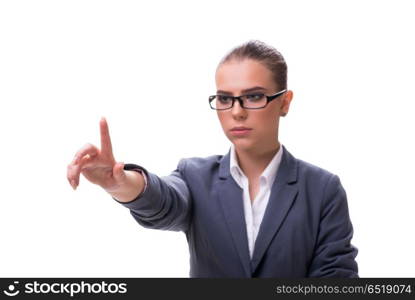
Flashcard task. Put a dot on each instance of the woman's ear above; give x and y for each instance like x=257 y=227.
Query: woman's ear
x=285 y=103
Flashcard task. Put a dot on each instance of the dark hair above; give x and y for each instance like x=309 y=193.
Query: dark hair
x=270 y=57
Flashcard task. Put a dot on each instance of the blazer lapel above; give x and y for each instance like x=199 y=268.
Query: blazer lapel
x=231 y=201
x=283 y=193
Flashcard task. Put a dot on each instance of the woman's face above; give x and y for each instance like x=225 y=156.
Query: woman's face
x=237 y=78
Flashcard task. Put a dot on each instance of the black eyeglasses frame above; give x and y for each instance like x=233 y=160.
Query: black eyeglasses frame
x=241 y=103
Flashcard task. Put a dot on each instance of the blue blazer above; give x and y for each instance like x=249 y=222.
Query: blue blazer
x=305 y=232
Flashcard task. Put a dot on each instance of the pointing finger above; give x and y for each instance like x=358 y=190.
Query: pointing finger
x=106 y=146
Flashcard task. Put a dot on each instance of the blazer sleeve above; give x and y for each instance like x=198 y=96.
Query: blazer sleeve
x=334 y=255
x=165 y=203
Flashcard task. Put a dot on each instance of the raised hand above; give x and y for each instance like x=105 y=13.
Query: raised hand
x=97 y=165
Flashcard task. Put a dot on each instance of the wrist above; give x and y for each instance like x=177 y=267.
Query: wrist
x=133 y=187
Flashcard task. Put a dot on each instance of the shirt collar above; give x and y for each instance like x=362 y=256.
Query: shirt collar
x=268 y=174
x=235 y=170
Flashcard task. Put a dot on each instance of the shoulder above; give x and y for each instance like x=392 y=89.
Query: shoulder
x=309 y=169
x=200 y=163
x=319 y=184
x=316 y=176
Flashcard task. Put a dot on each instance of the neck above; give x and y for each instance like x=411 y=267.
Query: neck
x=254 y=161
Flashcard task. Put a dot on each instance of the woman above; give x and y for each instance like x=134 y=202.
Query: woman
x=256 y=211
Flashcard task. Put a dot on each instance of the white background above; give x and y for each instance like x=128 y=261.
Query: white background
x=149 y=68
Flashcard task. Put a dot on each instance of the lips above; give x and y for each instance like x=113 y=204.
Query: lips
x=240 y=128
x=240 y=131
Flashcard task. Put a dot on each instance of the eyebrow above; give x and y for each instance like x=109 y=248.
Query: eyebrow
x=255 y=88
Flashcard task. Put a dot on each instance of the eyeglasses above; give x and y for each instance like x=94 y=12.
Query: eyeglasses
x=250 y=101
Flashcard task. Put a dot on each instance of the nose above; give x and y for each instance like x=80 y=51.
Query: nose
x=238 y=112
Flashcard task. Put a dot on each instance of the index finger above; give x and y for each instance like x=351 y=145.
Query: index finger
x=106 y=147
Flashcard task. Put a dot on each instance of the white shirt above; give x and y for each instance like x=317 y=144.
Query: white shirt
x=254 y=212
